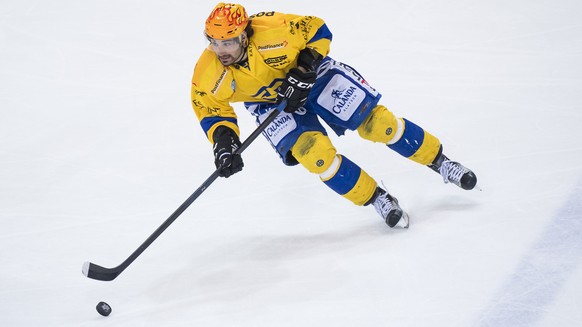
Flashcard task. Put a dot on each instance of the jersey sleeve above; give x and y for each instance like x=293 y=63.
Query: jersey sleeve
x=210 y=93
x=314 y=31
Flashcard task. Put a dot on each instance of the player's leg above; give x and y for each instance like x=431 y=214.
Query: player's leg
x=414 y=143
x=314 y=151
x=300 y=138
x=343 y=99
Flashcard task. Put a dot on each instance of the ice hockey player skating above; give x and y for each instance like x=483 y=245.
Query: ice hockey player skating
x=270 y=57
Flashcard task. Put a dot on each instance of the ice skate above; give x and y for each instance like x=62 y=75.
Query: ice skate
x=388 y=208
x=454 y=172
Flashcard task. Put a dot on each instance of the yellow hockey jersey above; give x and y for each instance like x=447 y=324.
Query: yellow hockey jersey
x=272 y=51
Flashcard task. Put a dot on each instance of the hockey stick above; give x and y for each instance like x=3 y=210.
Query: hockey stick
x=97 y=272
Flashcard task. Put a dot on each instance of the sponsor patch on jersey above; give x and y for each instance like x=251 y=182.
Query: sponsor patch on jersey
x=280 y=127
x=276 y=60
x=218 y=82
x=275 y=46
x=341 y=97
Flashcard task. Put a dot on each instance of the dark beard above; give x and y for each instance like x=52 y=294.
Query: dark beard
x=229 y=60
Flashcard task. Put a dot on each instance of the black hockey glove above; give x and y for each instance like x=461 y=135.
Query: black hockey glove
x=295 y=89
x=226 y=142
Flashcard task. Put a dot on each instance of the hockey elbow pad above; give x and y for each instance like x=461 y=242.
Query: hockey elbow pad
x=309 y=59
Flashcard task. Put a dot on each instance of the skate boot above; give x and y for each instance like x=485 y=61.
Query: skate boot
x=388 y=208
x=454 y=172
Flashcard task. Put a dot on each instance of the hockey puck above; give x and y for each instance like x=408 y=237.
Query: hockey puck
x=103 y=308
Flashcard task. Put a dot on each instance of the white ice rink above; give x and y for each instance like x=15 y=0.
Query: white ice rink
x=99 y=145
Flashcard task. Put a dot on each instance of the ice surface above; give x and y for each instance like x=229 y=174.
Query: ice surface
x=99 y=145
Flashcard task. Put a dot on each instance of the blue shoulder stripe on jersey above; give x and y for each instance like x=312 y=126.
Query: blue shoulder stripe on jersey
x=345 y=178
x=410 y=141
x=207 y=123
x=322 y=33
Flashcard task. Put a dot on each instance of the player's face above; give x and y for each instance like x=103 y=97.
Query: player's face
x=227 y=51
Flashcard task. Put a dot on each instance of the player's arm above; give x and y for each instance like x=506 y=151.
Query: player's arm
x=212 y=112
x=317 y=38
x=210 y=92
x=216 y=115
x=297 y=85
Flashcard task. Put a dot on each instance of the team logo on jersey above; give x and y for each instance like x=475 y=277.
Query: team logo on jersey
x=264 y=92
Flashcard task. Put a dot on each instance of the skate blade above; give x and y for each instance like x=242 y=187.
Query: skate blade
x=404 y=221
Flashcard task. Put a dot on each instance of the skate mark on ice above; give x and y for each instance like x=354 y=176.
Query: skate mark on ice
x=542 y=272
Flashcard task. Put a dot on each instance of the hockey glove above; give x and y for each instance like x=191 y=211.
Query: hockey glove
x=295 y=89
x=226 y=142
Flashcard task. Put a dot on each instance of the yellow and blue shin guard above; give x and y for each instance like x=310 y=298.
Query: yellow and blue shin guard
x=316 y=153
x=401 y=135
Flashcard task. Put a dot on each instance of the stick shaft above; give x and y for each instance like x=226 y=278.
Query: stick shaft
x=97 y=272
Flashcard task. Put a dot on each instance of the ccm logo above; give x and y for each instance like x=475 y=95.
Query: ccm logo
x=300 y=84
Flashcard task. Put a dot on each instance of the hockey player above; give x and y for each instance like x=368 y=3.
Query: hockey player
x=269 y=57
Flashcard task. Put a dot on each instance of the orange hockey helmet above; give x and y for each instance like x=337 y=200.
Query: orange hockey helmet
x=226 y=21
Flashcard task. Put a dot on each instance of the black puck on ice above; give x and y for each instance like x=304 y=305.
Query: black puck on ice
x=103 y=308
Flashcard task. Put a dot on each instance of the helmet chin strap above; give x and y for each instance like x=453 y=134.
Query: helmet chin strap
x=244 y=45
x=243 y=56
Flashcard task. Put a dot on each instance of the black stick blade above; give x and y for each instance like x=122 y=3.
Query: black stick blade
x=97 y=272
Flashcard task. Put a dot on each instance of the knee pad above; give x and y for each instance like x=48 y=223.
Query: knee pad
x=314 y=151
x=381 y=126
